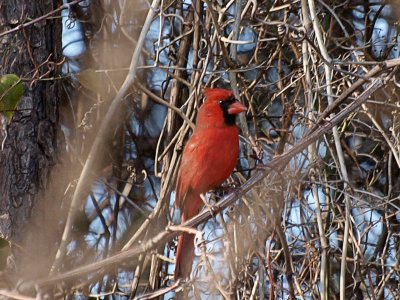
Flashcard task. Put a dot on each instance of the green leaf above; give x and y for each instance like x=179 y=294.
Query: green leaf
x=11 y=91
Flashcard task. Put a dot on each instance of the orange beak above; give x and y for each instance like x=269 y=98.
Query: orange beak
x=236 y=108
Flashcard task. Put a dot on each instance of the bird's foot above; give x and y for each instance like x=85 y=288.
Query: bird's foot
x=213 y=209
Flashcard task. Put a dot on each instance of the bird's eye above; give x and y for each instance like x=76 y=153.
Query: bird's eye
x=226 y=102
x=223 y=104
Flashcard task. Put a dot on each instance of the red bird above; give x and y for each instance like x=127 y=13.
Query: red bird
x=208 y=159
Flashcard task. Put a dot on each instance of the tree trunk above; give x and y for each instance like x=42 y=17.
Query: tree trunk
x=31 y=145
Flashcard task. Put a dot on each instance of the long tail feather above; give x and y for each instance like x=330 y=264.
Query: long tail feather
x=184 y=256
x=185 y=250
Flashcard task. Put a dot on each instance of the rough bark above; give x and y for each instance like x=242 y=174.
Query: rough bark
x=30 y=149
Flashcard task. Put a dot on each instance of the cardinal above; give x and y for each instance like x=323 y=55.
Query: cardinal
x=208 y=159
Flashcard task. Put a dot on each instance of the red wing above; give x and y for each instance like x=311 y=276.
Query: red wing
x=191 y=160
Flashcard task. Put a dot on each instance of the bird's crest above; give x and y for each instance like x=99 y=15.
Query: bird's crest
x=217 y=94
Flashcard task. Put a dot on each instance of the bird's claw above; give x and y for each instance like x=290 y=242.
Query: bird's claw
x=213 y=209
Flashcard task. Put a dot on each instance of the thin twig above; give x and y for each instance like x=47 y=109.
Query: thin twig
x=45 y=16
